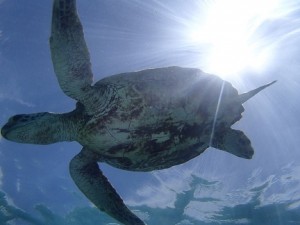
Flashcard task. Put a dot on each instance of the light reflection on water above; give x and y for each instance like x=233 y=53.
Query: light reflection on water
x=259 y=201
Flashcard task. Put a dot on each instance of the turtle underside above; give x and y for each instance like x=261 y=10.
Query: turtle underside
x=157 y=118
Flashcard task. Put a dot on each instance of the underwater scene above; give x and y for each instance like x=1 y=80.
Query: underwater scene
x=44 y=179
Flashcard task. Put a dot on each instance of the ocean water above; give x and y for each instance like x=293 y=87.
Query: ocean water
x=248 y=43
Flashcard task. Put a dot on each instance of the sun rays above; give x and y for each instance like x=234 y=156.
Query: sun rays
x=228 y=28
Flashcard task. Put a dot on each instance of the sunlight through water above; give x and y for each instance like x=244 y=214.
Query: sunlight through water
x=246 y=43
x=216 y=115
x=228 y=29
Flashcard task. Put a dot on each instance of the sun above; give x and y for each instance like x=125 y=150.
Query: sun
x=228 y=29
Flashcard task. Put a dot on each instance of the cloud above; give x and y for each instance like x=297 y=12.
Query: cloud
x=211 y=200
x=163 y=189
x=10 y=89
x=16 y=99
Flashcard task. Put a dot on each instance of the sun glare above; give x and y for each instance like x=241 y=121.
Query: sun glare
x=228 y=30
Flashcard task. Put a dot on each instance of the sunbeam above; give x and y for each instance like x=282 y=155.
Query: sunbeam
x=228 y=28
x=216 y=115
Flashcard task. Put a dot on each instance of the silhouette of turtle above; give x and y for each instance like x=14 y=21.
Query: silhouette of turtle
x=139 y=121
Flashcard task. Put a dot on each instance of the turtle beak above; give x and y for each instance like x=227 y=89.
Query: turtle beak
x=10 y=126
x=5 y=130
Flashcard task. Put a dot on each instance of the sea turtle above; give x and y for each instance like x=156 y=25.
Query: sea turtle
x=138 y=121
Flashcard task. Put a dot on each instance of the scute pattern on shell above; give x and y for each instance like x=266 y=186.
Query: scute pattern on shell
x=156 y=118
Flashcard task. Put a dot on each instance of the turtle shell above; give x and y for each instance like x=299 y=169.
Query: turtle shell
x=157 y=118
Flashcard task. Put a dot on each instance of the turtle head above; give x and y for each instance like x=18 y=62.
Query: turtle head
x=38 y=128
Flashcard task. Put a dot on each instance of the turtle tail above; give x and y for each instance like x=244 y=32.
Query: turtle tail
x=246 y=96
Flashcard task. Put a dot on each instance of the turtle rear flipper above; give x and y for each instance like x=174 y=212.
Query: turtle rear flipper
x=234 y=142
x=90 y=180
x=70 y=55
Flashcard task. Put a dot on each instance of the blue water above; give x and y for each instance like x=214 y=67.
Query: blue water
x=127 y=35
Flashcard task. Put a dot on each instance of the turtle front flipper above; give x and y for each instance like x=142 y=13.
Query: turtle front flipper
x=234 y=142
x=70 y=56
x=90 y=180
